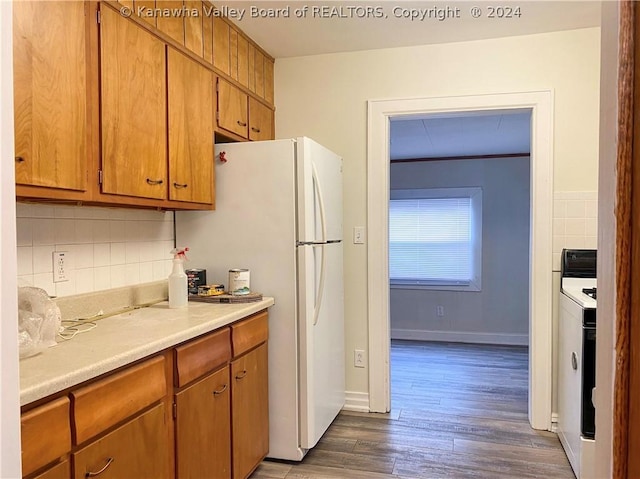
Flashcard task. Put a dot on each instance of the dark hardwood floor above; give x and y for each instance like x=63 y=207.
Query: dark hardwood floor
x=458 y=411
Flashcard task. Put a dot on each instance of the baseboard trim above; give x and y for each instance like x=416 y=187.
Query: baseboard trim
x=461 y=337
x=356 y=401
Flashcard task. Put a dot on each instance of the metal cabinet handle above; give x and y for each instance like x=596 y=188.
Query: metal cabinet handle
x=97 y=473
x=19 y=159
x=574 y=361
x=257 y=130
x=180 y=185
x=241 y=123
x=242 y=374
x=220 y=391
x=154 y=182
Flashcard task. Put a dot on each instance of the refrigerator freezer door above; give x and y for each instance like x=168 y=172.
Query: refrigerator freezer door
x=322 y=384
x=319 y=173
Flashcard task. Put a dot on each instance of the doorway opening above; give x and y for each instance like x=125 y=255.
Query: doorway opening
x=380 y=114
x=459 y=262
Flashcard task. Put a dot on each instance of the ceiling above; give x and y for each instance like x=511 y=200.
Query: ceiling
x=336 y=26
x=454 y=135
x=331 y=26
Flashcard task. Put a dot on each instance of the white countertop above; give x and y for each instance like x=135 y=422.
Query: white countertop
x=122 y=339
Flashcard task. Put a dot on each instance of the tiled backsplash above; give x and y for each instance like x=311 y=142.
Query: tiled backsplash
x=109 y=247
x=575 y=222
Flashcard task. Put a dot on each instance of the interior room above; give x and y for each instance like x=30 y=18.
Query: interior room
x=208 y=221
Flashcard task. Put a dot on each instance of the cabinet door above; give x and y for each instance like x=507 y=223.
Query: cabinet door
x=172 y=25
x=260 y=121
x=50 y=94
x=193 y=27
x=232 y=108
x=133 y=94
x=268 y=81
x=139 y=449
x=191 y=167
x=203 y=428
x=250 y=411
x=221 y=47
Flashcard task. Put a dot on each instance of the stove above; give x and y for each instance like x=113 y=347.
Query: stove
x=577 y=358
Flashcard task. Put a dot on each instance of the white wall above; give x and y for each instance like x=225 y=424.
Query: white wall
x=9 y=378
x=498 y=314
x=325 y=97
x=108 y=247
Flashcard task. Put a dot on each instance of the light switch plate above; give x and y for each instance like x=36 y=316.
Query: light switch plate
x=358 y=235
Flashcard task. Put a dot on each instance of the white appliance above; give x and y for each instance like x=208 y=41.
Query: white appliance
x=279 y=214
x=576 y=359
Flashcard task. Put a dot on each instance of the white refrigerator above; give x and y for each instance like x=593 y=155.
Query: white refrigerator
x=279 y=214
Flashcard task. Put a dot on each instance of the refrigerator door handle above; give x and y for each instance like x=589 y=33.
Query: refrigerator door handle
x=323 y=224
x=316 y=243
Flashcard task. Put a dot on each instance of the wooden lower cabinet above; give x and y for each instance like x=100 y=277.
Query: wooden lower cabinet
x=136 y=449
x=249 y=411
x=203 y=428
x=59 y=471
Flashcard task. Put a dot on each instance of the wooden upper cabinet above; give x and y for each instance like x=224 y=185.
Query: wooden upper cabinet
x=221 y=47
x=258 y=72
x=232 y=109
x=207 y=33
x=172 y=25
x=133 y=94
x=260 y=121
x=193 y=27
x=50 y=94
x=242 y=72
x=268 y=81
x=191 y=165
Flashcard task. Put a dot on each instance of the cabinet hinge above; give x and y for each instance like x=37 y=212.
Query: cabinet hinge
x=99 y=177
x=175 y=410
x=98 y=17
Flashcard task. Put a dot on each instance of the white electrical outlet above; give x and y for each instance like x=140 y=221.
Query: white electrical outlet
x=358 y=235
x=60 y=265
x=358 y=358
x=440 y=311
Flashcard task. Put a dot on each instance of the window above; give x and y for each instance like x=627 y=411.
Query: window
x=435 y=238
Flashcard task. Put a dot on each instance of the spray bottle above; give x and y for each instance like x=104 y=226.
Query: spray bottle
x=178 y=279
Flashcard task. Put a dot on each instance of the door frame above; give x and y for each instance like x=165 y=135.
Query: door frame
x=540 y=254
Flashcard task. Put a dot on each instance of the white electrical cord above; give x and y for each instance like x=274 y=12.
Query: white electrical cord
x=72 y=327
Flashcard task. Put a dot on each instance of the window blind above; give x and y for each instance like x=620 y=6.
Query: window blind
x=430 y=241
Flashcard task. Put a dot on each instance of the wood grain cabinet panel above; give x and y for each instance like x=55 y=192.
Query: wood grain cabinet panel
x=201 y=356
x=260 y=121
x=203 y=428
x=268 y=81
x=133 y=94
x=191 y=126
x=221 y=47
x=193 y=27
x=46 y=434
x=59 y=471
x=232 y=109
x=249 y=333
x=172 y=25
x=258 y=72
x=102 y=404
x=138 y=449
x=50 y=94
x=207 y=33
x=145 y=4
x=250 y=411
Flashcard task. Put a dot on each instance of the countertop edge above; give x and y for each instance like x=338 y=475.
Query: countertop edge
x=63 y=381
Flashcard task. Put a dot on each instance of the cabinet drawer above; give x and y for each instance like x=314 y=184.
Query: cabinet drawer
x=104 y=403
x=201 y=356
x=46 y=434
x=59 y=471
x=249 y=333
x=138 y=449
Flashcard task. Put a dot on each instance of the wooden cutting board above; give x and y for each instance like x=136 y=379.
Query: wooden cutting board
x=227 y=298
